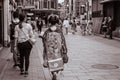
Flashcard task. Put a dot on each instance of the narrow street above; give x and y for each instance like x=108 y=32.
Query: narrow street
x=86 y=25
x=90 y=58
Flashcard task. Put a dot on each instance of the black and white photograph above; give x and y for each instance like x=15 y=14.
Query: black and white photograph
x=59 y=39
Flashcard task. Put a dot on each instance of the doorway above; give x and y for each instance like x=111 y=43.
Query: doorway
x=1 y=23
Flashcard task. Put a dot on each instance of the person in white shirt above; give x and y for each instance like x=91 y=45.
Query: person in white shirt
x=66 y=25
x=14 y=22
x=23 y=32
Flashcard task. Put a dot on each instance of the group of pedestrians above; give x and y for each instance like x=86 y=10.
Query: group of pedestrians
x=85 y=26
x=22 y=33
x=70 y=24
x=108 y=27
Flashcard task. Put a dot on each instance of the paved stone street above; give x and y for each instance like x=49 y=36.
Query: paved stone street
x=90 y=58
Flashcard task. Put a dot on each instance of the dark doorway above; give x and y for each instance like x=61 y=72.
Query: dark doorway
x=1 y=23
x=117 y=13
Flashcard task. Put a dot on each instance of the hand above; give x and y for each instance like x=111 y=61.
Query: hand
x=15 y=48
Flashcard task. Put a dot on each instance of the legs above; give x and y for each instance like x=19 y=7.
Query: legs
x=66 y=30
x=21 y=56
x=15 y=59
x=39 y=29
x=24 y=49
x=27 y=59
x=110 y=34
x=105 y=34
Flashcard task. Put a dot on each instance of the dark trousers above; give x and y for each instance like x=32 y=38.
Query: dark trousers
x=39 y=28
x=24 y=50
x=110 y=34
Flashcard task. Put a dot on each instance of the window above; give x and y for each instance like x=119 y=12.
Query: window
x=72 y=5
x=96 y=14
x=45 y=3
x=52 y=4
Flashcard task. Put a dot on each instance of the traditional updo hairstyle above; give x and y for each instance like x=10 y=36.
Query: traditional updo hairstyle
x=53 y=19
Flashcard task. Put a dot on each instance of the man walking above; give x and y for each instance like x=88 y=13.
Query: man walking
x=111 y=27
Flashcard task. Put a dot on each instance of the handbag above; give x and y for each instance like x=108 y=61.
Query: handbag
x=65 y=58
x=104 y=26
x=32 y=41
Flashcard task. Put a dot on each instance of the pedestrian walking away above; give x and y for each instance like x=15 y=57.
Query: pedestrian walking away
x=23 y=32
x=55 y=51
x=39 y=25
x=14 y=22
x=73 y=27
x=66 y=25
x=89 y=27
x=83 y=27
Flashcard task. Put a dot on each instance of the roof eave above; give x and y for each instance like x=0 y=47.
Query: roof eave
x=108 y=1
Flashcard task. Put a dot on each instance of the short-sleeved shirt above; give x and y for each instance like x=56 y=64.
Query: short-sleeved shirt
x=66 y=23
x=24 y=33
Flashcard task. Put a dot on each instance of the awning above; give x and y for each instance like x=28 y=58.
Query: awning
x=28 y=7
x=45 y=10
x=107 y=1
x=30 y=14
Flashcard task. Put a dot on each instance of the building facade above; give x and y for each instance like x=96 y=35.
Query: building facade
x=43 y=8
x=6 y=9
x=79 y=7
x=39 y=8
x=106 y=8
x=97 y=15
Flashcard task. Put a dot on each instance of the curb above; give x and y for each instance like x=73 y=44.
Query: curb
x=6 y=60
x=3 y=71
x=114 y=38
x=1 y=48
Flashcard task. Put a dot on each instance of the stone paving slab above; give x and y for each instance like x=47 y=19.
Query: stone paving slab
x=88 y=51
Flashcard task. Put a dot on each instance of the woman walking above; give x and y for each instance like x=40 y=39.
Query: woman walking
x=105 y=26
x=73 y=27
x=23 y=32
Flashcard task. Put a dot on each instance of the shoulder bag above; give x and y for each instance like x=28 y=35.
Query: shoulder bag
x=31 y=40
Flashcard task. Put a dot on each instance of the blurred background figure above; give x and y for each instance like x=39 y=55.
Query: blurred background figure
x=104 y=26
x=31 y=23
x=89 y=27
x=39 y=24
x=66 y=25
x=83 y=26
x=15 y=21
x=73 y=26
